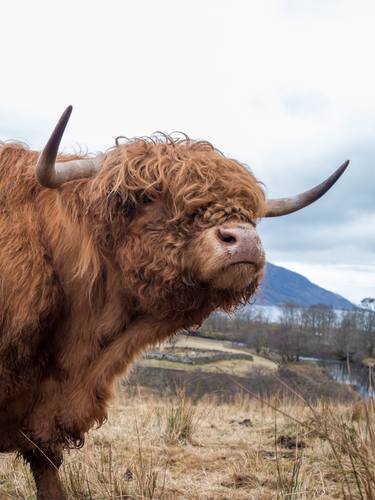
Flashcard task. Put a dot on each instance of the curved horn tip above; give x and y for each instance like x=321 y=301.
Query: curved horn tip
x=66 y=114
x=338 y=173
x=345 y=165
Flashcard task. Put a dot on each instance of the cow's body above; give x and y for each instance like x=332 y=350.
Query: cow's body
x=53 y=325
x=94 y=272
x=72 y=319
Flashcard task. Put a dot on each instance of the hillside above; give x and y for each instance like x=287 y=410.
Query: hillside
x=282 y=286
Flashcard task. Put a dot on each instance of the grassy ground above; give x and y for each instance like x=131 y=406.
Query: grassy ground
x=224 y=445
x=154 y=447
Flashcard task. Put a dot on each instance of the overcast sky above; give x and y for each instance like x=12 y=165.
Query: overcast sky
x=287 y=87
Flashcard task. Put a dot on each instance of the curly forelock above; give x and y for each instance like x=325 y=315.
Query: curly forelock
x=192 y=173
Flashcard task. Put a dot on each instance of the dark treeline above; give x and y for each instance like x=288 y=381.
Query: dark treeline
x=315 y=331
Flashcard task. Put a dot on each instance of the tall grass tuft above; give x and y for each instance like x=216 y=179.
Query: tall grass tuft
x=352 y=441
x=181 y=419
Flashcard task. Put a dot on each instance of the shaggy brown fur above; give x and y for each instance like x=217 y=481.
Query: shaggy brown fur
x=94 y=272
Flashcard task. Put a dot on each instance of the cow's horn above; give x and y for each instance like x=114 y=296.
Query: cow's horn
x=284 y=206
x=53 y=175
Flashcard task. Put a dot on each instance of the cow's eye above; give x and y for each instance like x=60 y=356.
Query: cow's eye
x=146 y=200
x=194 y=215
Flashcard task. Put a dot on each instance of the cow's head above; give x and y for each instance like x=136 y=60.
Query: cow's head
x=183 y=214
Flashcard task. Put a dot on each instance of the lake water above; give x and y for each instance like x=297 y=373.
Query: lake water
x=358 y=376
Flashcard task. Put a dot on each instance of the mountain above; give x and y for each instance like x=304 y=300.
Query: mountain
x=281 y=286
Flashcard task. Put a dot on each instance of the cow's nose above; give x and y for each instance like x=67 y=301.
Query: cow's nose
x=229 y=236
x=241 y=244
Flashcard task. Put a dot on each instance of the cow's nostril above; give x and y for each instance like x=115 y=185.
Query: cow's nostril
x=226 y=236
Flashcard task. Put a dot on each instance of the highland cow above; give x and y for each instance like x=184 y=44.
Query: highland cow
x=102 y=257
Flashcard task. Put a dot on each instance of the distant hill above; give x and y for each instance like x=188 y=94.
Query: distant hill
x=281 y=286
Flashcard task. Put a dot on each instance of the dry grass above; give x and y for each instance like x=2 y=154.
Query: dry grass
x=180 y=419
x=170 y=449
